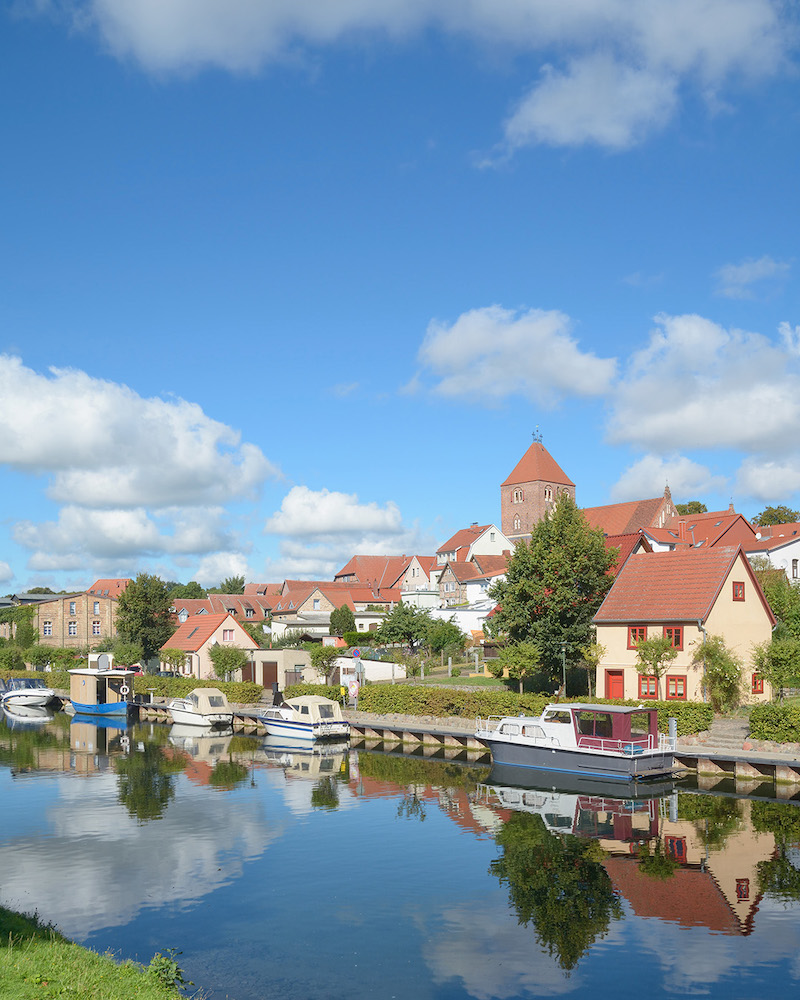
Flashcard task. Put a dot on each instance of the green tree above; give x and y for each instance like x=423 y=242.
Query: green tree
x=782 y=596
x=230 y=585
x=189 y=591
x=692 y=507
x=558 y=884
x=11 y=658
x=554 y=585
x=146 y=784
x=444 y=634
x=342 y=620
x=781 y=514
x=591 y=656
x=653 y=657
x=143 y=614
x=405 y=624
x=255 y=629
x=521 y=659
x=323 y=659
x=37 y=656
x=722 y=672
x=778 y=661
x=126 y=653
x=175 y=659
x=777 y=876
x=227 y=660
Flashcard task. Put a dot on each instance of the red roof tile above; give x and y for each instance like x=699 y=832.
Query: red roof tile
x=194 y=632
x=108 y=588
x=626 y=544
x=464 y=538
x=624 y=518
x=681 y=585
x=375 y=571
x=537 y=465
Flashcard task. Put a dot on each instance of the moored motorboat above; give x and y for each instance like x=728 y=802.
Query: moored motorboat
x=616 y=742
x=204 y=706
x=306 y=717
x=26 y=691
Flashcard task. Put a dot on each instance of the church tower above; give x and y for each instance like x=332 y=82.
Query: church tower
x=531 y=490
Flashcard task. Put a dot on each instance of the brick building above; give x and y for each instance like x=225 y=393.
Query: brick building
x=530 y=491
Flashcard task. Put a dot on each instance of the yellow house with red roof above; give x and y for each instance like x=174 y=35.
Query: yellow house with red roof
x=686 y=595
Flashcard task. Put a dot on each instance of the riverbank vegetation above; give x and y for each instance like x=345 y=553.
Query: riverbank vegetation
x=36 y=961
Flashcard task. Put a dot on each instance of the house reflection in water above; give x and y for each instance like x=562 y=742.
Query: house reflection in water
x=688 y=859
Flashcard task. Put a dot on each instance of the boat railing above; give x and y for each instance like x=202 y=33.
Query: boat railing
x=491 y=723
x=629 y=746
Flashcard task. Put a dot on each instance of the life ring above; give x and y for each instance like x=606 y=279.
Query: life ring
x=124 y=690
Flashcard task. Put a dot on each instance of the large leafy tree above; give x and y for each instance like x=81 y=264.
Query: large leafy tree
x=405 y=624
x=342 y=620
x=520 y=659
x=692 y=507
x=190 y=590
x=143 y=614
x=554 y=585
x=230 y=585
x=778 y=661
x=781 y=514
x=444 y=634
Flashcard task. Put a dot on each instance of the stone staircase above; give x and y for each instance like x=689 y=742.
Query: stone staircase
x=727 y=734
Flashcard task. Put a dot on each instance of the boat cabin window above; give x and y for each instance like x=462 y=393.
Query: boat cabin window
x=562 y=717
x=326 y=711
x=640 y=724
x=193 y=699
x=216 y=701
x=595 y=724
x=533 y=731
x=511 y=728
x=304 y=709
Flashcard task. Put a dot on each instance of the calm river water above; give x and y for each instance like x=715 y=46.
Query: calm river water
x=352 y=874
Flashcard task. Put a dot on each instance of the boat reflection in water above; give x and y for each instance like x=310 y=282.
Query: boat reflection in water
x=27 y=716
x=303 y=759
x=585 y=808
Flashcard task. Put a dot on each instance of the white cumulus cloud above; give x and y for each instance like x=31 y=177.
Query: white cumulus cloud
x=623 y=63
x=106 y=446
x=649 y=475
x=326 y=512
x=493 y=353
x=699 y=385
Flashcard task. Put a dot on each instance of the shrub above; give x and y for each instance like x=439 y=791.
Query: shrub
x=332 y=691
x=780 y=723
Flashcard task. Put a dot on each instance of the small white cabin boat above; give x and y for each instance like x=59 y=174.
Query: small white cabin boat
x=307 y=717
x=28 y=691
x=596 y=741
x=205 y=706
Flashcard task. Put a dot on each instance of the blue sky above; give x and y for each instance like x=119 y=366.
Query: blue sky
x=287 y=281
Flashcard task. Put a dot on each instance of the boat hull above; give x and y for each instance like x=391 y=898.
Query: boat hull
x=184 y=717
x=590 y=764
x=305 y=731
x=33 y=697
x=116 y=708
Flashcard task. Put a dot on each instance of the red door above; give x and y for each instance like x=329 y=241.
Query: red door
x=615 y=684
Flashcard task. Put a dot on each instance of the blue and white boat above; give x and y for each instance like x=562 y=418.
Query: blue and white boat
x=307 y=717
x=26 y=691
x=101 y=692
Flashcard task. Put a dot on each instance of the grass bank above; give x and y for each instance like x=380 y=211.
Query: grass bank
x=36 y=961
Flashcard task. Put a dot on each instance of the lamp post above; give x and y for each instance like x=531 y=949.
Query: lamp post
x=564 y=667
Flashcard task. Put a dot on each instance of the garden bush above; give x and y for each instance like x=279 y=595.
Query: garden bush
x=780 y=723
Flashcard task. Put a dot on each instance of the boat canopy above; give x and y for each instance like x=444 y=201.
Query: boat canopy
x=315 y=708
x=208 y=700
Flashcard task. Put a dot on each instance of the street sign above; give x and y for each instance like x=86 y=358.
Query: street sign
x=356 y=653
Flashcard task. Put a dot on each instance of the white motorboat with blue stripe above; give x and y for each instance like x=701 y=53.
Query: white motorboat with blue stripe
x=308 y=717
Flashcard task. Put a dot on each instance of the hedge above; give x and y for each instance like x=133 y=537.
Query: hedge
x=776 y=722
x=238 y=692
x=440 y=702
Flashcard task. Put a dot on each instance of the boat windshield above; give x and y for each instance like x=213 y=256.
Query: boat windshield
x=595 y=724
x=216 y=701
x=640 y=724
x=326 y=711
x=23 y=683
x=562 y=717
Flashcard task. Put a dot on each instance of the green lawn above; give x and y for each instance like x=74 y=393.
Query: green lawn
x=38 y=962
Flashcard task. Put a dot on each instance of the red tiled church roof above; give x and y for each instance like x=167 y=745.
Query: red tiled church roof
x=624 y=518
x=537 y=465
